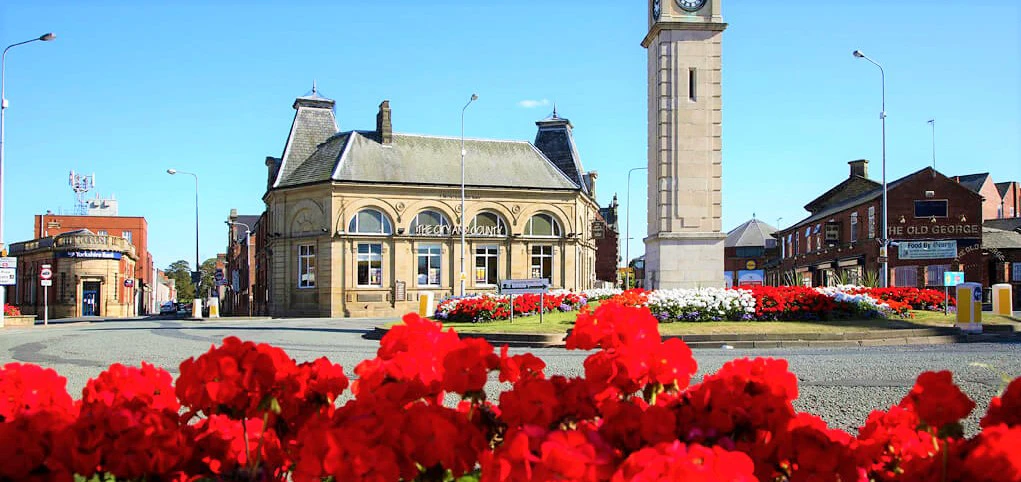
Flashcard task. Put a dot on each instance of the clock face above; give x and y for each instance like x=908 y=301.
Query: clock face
x=691 y=5
x=655 y=9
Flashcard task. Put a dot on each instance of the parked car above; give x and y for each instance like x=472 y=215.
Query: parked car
x=168 y=308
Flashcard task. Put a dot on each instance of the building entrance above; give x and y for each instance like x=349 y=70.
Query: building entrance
x=90 y=298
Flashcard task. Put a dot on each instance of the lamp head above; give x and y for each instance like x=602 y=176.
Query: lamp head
x=171 y=171
x=474 y=97
x=46 y=37
x=857 y=53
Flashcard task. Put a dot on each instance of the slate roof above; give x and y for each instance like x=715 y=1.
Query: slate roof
x=861 y=198
x=1002 y=187
x=313 y=124
x=555 y=140
x=973 y=181
x=1007 y=224
x=1000 y=239
x=357 y=156
x=753 y=232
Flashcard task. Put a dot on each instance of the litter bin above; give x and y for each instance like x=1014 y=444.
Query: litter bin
x=1003 y=299
x=426 y=305
x=969 y=307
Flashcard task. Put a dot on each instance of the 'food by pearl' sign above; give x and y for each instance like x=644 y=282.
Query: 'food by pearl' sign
x=448 y=230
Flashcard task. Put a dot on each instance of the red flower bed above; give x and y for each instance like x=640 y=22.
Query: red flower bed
x=11 y=310
x=918 y=299
x=476 y=309
x=247 y=411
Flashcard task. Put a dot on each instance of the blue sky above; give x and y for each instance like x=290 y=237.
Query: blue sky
x=129 y=89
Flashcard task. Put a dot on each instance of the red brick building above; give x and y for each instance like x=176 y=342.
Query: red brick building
x=607 y=244
x=934 y=225
x=132 y=228
x=1010 y=199
x=240 y=270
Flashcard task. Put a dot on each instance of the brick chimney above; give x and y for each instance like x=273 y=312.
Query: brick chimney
x=383 y=125
x=860 y=168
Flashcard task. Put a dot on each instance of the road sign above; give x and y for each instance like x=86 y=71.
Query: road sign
x=45 y=282
x=524 y=286
x=953 y=278
x=45 y=273
x=219 y=277
x=8 y=262
x=129 y=282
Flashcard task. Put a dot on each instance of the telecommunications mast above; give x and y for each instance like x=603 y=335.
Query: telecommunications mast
x=81 y=185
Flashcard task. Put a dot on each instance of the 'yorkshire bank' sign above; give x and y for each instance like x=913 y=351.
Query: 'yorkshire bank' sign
x=927 y=249
x=448 y=230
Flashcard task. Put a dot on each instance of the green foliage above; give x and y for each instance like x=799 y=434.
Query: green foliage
x=793 y=278
x=871 y=279
x=180 y=272
x=207 y=284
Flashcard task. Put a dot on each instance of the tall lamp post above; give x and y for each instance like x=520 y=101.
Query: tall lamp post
x=463 y=270
x=885 y=241
x=932 y=122
x=3 y=108
x=248 y=263
x=627 y=230
x=196 y=306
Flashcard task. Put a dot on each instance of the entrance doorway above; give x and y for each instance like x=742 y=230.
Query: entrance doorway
x=90 y=298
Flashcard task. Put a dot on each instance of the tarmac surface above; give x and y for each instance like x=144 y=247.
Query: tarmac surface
x=842 y=385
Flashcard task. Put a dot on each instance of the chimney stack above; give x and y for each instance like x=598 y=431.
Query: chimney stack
x=860 y=168
x=383 y=125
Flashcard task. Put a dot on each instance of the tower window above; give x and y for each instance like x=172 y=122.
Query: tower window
x=691 y=85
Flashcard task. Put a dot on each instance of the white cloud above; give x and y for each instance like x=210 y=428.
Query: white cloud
x=531 y=104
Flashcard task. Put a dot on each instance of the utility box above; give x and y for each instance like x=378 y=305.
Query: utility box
x=426 y=303
x=969 y=307
x=214 y=307
x=1003 y=299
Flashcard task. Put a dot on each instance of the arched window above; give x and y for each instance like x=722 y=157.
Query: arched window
x=370 y=221
x=543 y=224
x=430 y=222
x=487 y=224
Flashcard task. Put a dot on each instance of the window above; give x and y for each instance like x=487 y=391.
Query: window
x=832 y=232
x=931 y=208
x=872 y=222
x=934 y=274
x=101 y=232
x=126 y=235
x=116 y=287
x=63 y=286
x=428 y=264
x=749 y=251
x=370 y=264
x=430 y=222
x=905 y=276
x=691 y=85
x=487 y=224
x=854 y=227
x=542 y=262
x=307 y=266
x=1015 y=272
x=486 y=265
x=791 y=250
x=543 y=225
x=370 y=221
x=808 y=239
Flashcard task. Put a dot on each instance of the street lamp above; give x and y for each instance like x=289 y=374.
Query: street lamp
x=932 y=122
x=627 y=230
x=463 y=271
x=3 y=108
x=196 y=306
x=248 y=263
x=885 y=241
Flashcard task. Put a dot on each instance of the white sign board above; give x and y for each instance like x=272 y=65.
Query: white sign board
x=45 y=282
x=927 y=249
x=8 y=276
x=953 y=278
x=524 y=286
x=8 y=262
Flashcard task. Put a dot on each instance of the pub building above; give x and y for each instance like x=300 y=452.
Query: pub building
x=934 y=225
x=363 y=223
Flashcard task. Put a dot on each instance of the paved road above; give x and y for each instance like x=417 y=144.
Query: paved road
x=841 y=385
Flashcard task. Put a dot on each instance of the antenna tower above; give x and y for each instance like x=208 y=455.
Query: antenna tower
x=81 y=184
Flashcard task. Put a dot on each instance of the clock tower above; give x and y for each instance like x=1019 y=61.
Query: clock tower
x=684 y=247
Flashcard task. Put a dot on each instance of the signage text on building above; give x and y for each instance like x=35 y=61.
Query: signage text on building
x=927 y=249
x=449 y=230
x=89 y=254
x=927 y=230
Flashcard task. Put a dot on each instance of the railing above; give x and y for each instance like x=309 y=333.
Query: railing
x=95 y=241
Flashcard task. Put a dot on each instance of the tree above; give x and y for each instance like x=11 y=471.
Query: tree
x=180 y=272
x=208 y=283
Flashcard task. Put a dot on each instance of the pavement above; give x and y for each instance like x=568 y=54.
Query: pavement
x=840 y=384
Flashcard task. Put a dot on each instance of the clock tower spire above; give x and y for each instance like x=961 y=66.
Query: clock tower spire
x=684 y=247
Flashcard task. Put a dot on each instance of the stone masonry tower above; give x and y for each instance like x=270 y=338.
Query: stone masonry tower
x=684 y=248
